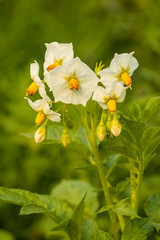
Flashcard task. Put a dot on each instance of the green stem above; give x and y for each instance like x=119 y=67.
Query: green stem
x=121 y=221
x=139 y=184
x=102 y=176
x=132 y=184
x=93 y=142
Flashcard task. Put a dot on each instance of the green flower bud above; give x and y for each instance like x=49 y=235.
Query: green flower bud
x=116 y=127
x=40 y=134
x=101 y=131
x=65 y=139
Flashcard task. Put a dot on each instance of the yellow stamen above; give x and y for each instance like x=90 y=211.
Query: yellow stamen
x=53 y=66
x=32 y=89
x=126 y=79
x=40 y=118
x=111 y=105
x=73 y=84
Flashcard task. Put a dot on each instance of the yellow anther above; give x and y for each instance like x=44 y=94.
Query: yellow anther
x=126 y=79
x=32 y=89
x=40 y=118
x=111 y=105
x=73 y=84
x=53 y=66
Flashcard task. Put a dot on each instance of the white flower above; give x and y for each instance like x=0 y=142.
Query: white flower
x=121 y=69
x=57 y=54
x=109 y=96
x=42 y=107
x=73 y=82
x=37 y=84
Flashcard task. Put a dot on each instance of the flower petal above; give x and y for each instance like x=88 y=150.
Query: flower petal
x=37 y=105
x=57 y=52
x=34 y=70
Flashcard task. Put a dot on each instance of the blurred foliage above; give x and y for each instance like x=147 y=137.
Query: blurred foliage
x=97 y=29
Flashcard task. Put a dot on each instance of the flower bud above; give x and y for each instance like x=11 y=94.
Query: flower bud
x=40 y=134
x=116 y=127
x=65 y=139
x=101 y=131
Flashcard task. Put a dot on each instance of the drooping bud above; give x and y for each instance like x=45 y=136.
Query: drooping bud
x=73 y=84
x=32 y=89
x=126 y=79
x=116 y=127
x=53 y=66
x=101 y=131
x=40 y=118
x=65 y=139
x=111 y=105
x=40 y=134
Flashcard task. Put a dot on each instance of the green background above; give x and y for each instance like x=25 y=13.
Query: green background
x=97 y=29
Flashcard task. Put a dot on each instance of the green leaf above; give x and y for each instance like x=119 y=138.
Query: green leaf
x=125 y=151
x=137 y=229
x=156 y=226
x=124 y=208
x=54 y=133
x=148 y=159
x=90 y=231
x=128 y=166
x=122 y=186
x=135 y=111
x=101 y=235
x=105 y=209
x=35 y=203
x=73 y=224
x=151 y=107
x=151 y=147
x=81 y=137
x=5 y=235
x=152 y=208
x=73 y=190
x=126 y=133
x=149 y=134
x=136 y=127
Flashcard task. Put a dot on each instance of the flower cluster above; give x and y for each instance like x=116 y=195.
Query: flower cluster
x=72 y=82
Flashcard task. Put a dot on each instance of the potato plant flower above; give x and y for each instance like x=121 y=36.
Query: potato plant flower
x=42 y=107
x=109 y=96
x=121 y=69
x=73 y=82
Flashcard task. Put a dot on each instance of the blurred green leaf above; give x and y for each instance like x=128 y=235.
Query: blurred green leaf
x=136 y=127
x=128 y=166
x=73 y=224
x=137 y=229
x=73 y=190
x=151 y=107
x=35 y=203
x=149 y=134
x=135 y=111
x=105 y=209
x=124 y=208
x=82 y=138
x=101 y=235
x=90 y=231
x=151 y=147
x=152 y=208
x=5 y=235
